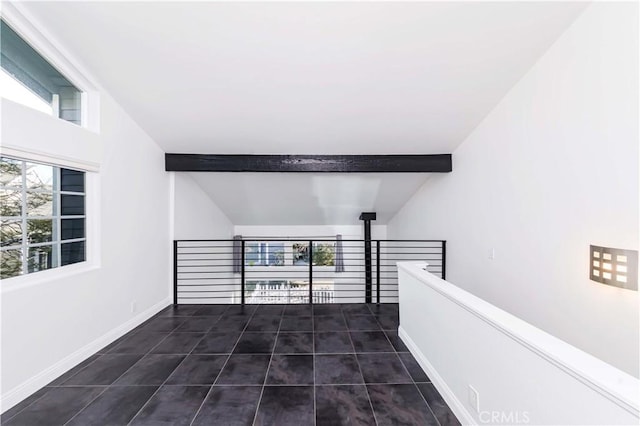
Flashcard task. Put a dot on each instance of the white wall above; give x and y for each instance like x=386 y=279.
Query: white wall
x=54 y=319
x=551 y=170
x=537 y=379
x=196 y=216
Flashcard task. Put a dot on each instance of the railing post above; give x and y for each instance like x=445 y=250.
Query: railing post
x=242 y=272
x=175 y=272
x=368 y=275
x=310 y=252
x=378 y=271
x=444 y=260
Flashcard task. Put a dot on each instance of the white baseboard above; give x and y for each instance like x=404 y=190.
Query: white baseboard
x=25 y=389
x=458 y=408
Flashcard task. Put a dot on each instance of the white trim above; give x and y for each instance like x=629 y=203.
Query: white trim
x=43 y=157
x=615 y=385
x=25 y=389
x=93 y=213
x=441 y=386
x=35 y=34
x=44 y=277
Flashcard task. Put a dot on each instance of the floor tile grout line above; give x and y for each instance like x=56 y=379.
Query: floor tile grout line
x=165 y=380
x=86 y=405
x=409 y=373
x=77 y=372
x=149 y=351
x=27 y=406
x=170 y=374
x=373 y=412
x=174 y=370
x=251 y=315
x=40 y=397
x=118 y=378
x=427 y=402
x=223 y=366
x=266 y=375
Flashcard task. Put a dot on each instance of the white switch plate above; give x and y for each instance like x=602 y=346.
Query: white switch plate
x=492 y=253
x=133 y=307
x=474 y=399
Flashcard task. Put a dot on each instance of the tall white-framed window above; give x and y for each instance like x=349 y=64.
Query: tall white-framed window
x=42 y=217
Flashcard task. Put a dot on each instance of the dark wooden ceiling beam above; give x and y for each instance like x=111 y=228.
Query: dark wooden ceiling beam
x=440 y=163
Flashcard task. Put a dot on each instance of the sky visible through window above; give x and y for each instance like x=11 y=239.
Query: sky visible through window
x=12 y=89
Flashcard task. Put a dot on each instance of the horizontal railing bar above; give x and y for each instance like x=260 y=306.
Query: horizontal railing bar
x=346 y=287
x=205 y=271
x=357 y=256
x=394 y=267
x=266 y=240
x=409 y=252
x=203 y=297
x=301 y=240
x=266 y=269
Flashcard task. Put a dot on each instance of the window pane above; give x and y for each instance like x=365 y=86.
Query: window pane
x=71 y=205
x=40 y=258
x=71 y=180
x=72 y=253
x=323 y=255
x=40 y=204
x=39 y=230
x=10 y=263
x=276 y=254
x=10 y=202
x=39 y=176
x=301 y=254
x=252 y=254
x=69 y=102
x=11 y=233
x=72 y=228
x=31 y=208
x=10 y=172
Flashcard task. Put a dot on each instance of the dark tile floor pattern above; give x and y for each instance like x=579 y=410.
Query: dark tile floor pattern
x=253 y=365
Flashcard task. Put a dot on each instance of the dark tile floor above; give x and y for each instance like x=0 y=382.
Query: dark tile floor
x=233 y=365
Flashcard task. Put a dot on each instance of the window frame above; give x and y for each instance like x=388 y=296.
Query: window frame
x=56 y=242
x=45 y=45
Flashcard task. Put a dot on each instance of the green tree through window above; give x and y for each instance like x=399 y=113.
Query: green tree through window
x=42 y=217
x=324 y=254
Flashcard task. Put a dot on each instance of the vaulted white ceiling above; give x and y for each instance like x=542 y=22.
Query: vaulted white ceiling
x=306 y=77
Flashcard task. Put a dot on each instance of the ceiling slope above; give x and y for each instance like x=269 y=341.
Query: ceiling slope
x=306 y=78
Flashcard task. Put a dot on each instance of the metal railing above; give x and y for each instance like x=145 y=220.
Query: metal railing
x=290 y=271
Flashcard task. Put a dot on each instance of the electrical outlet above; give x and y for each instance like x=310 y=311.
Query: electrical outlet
x=133 y=307
x=474 y=399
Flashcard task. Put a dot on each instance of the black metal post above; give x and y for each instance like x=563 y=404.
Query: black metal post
x=444 y=260
x=310 y=252
x=378 y=271
x=175 y=272
x=367 y=218
x=242 y=272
